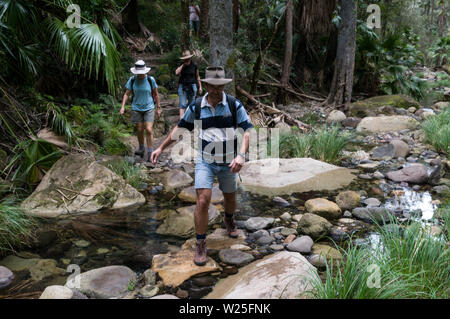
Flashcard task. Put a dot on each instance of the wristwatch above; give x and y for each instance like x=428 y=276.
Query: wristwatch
x=242 y=155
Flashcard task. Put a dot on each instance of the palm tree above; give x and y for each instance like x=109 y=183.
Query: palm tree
x=28 y=29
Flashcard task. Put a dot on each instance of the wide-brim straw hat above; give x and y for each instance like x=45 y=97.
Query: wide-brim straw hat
x=140 y=68
x=186 y=55
x=215 y=76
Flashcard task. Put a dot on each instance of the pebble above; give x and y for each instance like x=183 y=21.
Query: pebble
x=378 y=175
x=102 y=251
x=276 y=247
x=149 y=291
x=82 y=243
x=281 y=202
x=289 y=239
x=365 y=176
x=374 y=202
x=297 y=217
x=182 y=294
x=240 y=247
x=286 y=216
x=265 y=240
x=347 y=214
x=288 y=231
x=302 y=244
x=6 y=276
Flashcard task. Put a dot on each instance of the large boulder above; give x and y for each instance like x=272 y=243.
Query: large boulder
x=103 y=283
x=175 y=179
x=283 y=275
x=313 y=226
x=416 y=173
x=273 y=176
x=181 y=222
x=175 y=268
x=323 y=207
x=78 y=184
x=372 y=106
x=383 y=124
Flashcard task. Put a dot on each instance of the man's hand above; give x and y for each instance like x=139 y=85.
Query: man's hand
x=122 y=110
x=158 y=111
x=155 y=155
x=237 y=164
x=200 y=91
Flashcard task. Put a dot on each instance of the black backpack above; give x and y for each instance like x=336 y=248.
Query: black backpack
x=231 y=100
x=151 y=86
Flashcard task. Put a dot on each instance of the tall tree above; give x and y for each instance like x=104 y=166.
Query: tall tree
x=131 y=17
x=442 y=19
x=342 y=83
x=204 y=19
x=185 y=26
x=236 y=12
x=287 y=53
x=221 y=38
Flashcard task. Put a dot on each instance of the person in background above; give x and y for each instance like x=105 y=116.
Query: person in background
x=145 y=96
x=188 y=83
x=194 y=17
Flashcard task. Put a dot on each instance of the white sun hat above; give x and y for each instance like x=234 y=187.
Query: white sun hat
x=140 y=68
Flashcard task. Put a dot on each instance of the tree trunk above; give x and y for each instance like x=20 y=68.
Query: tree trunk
x=185 y=27
x=287 y=54
x=221 y=38
x=204 y=19
x=130 y=17
x=442 y=20
x=235 y=16
x=342 y=84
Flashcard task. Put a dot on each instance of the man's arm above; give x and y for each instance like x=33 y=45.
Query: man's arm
x=167 y=142
x=178 y=70
x=124 y=101
x=199 y=83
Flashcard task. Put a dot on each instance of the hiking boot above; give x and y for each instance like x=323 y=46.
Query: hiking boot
x=139 y=152
x=148 y=157
x=200 y=252
x=230 y=226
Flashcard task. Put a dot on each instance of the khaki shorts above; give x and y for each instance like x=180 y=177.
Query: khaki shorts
x=140 y=117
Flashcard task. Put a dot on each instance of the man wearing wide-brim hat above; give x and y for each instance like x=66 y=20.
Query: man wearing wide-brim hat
x=220 y=115
x=188 y=82
x=145 y=97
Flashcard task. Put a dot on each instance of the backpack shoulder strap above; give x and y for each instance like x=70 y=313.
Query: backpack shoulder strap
x=132 y=87
x=198 y=107
x=231 y=100
x=149 y=79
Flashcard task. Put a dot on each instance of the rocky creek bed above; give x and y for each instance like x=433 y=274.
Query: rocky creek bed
x=129 y=252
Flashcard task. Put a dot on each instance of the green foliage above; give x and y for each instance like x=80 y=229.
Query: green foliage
x=439 y=52
x=437 y=131
x=33 y=157
x=59 y=123
x=115 y=147
x=77 y=114
x=324 y=144
x=15 y=226
x=130 y=173
x=383 y=64
x=411 y=264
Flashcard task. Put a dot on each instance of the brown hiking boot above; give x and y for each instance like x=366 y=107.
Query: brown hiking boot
x=200 y=252
x=230 y=226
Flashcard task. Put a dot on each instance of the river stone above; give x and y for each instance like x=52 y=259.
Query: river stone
x=288 y=231
x=338 y=234
x=323 y=207
x=282 y=275
x=366 y=214
x=372 y=202
x=82 y=243
x=301 y=244
x=189 y=195
x=278 y=201
x=373 y=105
x=318 y=261
x=45 y=268
x=274 y=177
x=235 y=257
x=57 y=292
x=348 y=200
x=326 y=251
x=6 y=276
x=149 y=277
x=441 y=105
x=401 y=149
x=313 y=226
x=175 y=179
x=103 y=283
x=257 y=223
x=17 y=264
x=265 y=240
x=94 y=188
x=181 y=223
x=384 y=151
x=276 y=247
x=149 y=291
x=384 y=124
x=175 y=268
x=416 y=174
x=218 y=240
x=336 y=116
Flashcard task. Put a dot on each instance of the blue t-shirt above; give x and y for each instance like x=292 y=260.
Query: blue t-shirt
x=142 y=100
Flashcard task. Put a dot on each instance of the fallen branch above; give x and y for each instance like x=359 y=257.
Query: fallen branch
x=290 y=90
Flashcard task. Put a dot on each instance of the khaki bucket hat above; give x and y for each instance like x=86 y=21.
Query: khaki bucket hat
x=216 y=76
x=186 y=55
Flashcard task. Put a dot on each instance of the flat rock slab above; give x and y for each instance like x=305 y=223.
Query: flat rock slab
x=273 y=177
x=384 y=124
x=175 y=268
x=416 y=173
x=285 y=275
x=190 y=195
x=87 y=187
x=103 y=283
x=218 y=240
x=235 y=257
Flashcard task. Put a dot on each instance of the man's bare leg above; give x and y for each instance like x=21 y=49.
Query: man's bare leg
x=230 y=207
x=201 y=224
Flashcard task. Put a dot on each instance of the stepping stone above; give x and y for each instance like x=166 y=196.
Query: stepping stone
x=235 y=257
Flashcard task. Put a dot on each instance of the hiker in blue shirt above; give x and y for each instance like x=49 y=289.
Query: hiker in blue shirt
x=145 y=94
x=220 y=116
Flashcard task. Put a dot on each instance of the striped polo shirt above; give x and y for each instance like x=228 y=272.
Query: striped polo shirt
x=217 y=137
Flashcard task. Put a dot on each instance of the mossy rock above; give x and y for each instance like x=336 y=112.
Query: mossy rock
x=369 y=107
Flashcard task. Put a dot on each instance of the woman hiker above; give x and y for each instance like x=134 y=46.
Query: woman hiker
x=145 y=95
x=189 y=77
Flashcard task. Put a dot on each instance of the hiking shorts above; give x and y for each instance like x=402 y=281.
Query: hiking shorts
x=186 y=100
x=205 y=172
x=194 y=25
x=142 y=116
